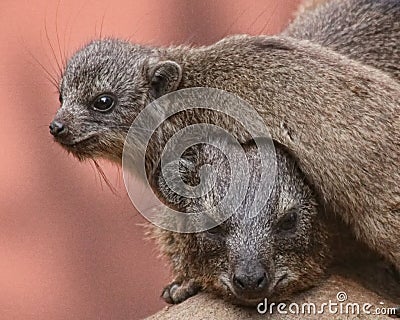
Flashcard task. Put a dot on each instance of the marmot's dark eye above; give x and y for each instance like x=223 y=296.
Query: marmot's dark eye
x=60 y=98
x=288 y=222
x=104 y=103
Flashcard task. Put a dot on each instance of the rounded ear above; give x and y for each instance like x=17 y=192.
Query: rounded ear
x=164 y=77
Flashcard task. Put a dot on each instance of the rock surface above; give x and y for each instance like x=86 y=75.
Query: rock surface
x=204 y=306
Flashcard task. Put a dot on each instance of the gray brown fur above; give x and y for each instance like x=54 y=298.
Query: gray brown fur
x=293 y=258
x=364 y=30
x=294 y=255
x=338 y=117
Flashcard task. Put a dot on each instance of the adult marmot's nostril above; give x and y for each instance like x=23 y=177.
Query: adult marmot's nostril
x=57 y=128
x=238 y=282
x=252 y=280
x=262 y=281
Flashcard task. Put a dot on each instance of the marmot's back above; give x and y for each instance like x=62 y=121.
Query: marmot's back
x=364 y=30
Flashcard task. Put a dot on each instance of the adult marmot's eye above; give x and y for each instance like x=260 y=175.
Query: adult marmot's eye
x=60 y=98
x=104 y=103
x=288 y=222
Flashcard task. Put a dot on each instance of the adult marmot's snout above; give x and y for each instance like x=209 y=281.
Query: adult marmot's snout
x=250 y=281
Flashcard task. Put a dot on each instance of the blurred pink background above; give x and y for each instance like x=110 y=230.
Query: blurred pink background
x=69 y=248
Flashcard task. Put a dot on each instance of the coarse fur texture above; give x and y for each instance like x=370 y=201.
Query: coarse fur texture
x=280 y=251
x=338 y=117
x=364 y=30
x=290 y=246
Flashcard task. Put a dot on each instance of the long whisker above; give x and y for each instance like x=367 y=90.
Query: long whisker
x=96 y=173
x=139 y=23
x=101 y=25
x=65 y=40
x=258 y=17
x=48 y=75
x=270 y=18
x=228 y=30
x=104 y=177
x=52 y=49
x=119 y=176
x=71 y=22
x=62 y=56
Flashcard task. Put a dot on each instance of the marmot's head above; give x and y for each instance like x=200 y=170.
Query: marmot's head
x=245 y=259
x=103 y=88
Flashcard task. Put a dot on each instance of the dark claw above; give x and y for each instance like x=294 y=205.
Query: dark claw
x=177 y=292
x=168 y=292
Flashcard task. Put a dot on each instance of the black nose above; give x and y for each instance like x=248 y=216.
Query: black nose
x=57 y=128
x=251 y=278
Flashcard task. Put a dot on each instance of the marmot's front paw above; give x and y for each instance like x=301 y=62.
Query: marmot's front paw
x=176 y=292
